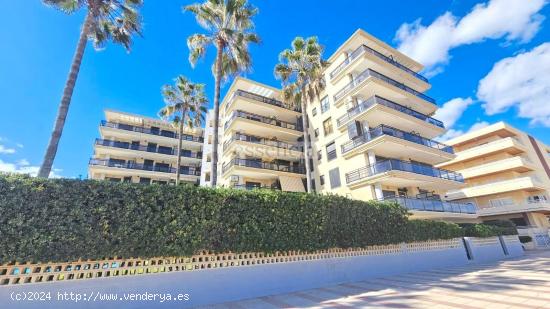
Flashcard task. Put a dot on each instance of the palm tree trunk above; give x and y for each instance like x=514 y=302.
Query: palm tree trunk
x=218 y=78
x=63 y=109
x=178 y=161
x=306 y=141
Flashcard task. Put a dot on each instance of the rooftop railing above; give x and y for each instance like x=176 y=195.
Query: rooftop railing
x=298 y=169
x=387 y=130
x=433 y=205
x=379 y=100
x=158 y=132
x=260 y=98
x=259 y=118
x=365 y=49
x=187 y=170
x=405 y=166
x=160 y=150
x=371 y=73
x=262 y=141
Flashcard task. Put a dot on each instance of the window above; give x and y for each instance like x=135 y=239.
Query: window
x=331 y=151
x=325 y=104
x=319 y=155
x=322 y=180
x=314 y=111
x=311 y=166
x=327 y=126
x=317 y=132
x=334 y=176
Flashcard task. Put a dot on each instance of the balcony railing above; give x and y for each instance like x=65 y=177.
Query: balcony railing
x=259 y=118
x=371 y=73
x=365 y=49
x=249 y=187
x=433 y=205
x=260 y=98
x=262 y=141
x=298 y=169
x=167 y=151
x=187 y=170
x=378 y=100
x=405 y=166
x=387 y=130
x=152 y=131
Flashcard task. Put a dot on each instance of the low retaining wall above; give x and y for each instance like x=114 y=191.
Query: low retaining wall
x=207 y=278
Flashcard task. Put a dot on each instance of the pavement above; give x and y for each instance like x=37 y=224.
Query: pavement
x=516 y=283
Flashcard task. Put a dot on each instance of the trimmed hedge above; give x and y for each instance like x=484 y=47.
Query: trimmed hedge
x=490 y=229
x=61 y=219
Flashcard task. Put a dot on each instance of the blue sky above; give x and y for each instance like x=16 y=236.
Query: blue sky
x=487 y=58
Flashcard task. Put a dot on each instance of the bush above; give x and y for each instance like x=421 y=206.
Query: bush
x=489 y=229
x=61 y=219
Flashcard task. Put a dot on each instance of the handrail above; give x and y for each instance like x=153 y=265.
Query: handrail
x=299 y=169
x=385 y=102
x=362 y=49
x=432 y=205
x=262 y=141
x=260 y=118
x=260 y=98
x=125 y=145
x=160 y=132
x=390 y=131
x=193 y=171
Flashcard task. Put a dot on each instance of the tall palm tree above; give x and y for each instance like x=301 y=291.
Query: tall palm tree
x=301 y=73
x=229 y=28
x=185 y=106
x=114 y=20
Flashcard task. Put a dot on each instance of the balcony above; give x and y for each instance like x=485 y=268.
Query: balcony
x=152 y=131
x=261 y=99
x=380 y=169
x=262 y=141
x=374 y=100
x=166 y=151
x=365 y=49
x=263 y=126
x=371 y=73
x=265 y=147
x=185 y=170
x=389 y=131
x=516 y=164
x=510 y=145
x=433 y=205
x=257 y=164
x=527 y=183
x=526 y=206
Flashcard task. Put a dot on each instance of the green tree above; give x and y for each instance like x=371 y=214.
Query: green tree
x=301 y=73
x=229 y=29
x=185 y=106
x=106 y=20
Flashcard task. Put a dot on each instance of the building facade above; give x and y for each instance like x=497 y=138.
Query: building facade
x=372 y=132
x=507 y=176
x=139 y=149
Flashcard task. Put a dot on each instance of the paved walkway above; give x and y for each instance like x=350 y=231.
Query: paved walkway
x=518 y=283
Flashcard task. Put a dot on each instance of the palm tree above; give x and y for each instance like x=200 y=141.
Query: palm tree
x=115 y=20
x=229 y=29
x=301 y=73
x=185 y=106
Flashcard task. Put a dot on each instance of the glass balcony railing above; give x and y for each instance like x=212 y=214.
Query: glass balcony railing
x=378 y=100
x=432 y=205
x=298 y=169
x=371 y=73
x=259 y=118
x=254 y=187
x=262 y=141
x=184 y=170
x=387 y=130
x=365 y=49
x=260 y=98
x=405 y=166
x=161 y=150
x=152 y=131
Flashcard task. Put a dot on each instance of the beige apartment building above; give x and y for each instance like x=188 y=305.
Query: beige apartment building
x=373 y=135
x=139 y=149
x=507 y=176
x=259 y=139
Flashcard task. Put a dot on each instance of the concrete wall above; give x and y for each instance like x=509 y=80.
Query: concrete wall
x=513 y=245
x=208 y=286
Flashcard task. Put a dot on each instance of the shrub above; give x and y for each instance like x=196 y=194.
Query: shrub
x=489 y=229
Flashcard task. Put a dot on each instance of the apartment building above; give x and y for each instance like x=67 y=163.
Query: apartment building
x=507 y=176
x=139 y=149
x=372 y=132
x=259 y=140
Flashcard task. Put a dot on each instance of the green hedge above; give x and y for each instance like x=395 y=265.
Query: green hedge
x=490 y=229
x=60 y=220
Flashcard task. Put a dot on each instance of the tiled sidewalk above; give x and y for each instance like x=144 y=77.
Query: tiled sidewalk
x=518 y=283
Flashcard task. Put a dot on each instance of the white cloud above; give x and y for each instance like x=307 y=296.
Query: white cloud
x=6 y=150
x=509 y=19
x=452 y=133
x=23 y=167
x=451 y=111
x=522 y=81
x=19 y=145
